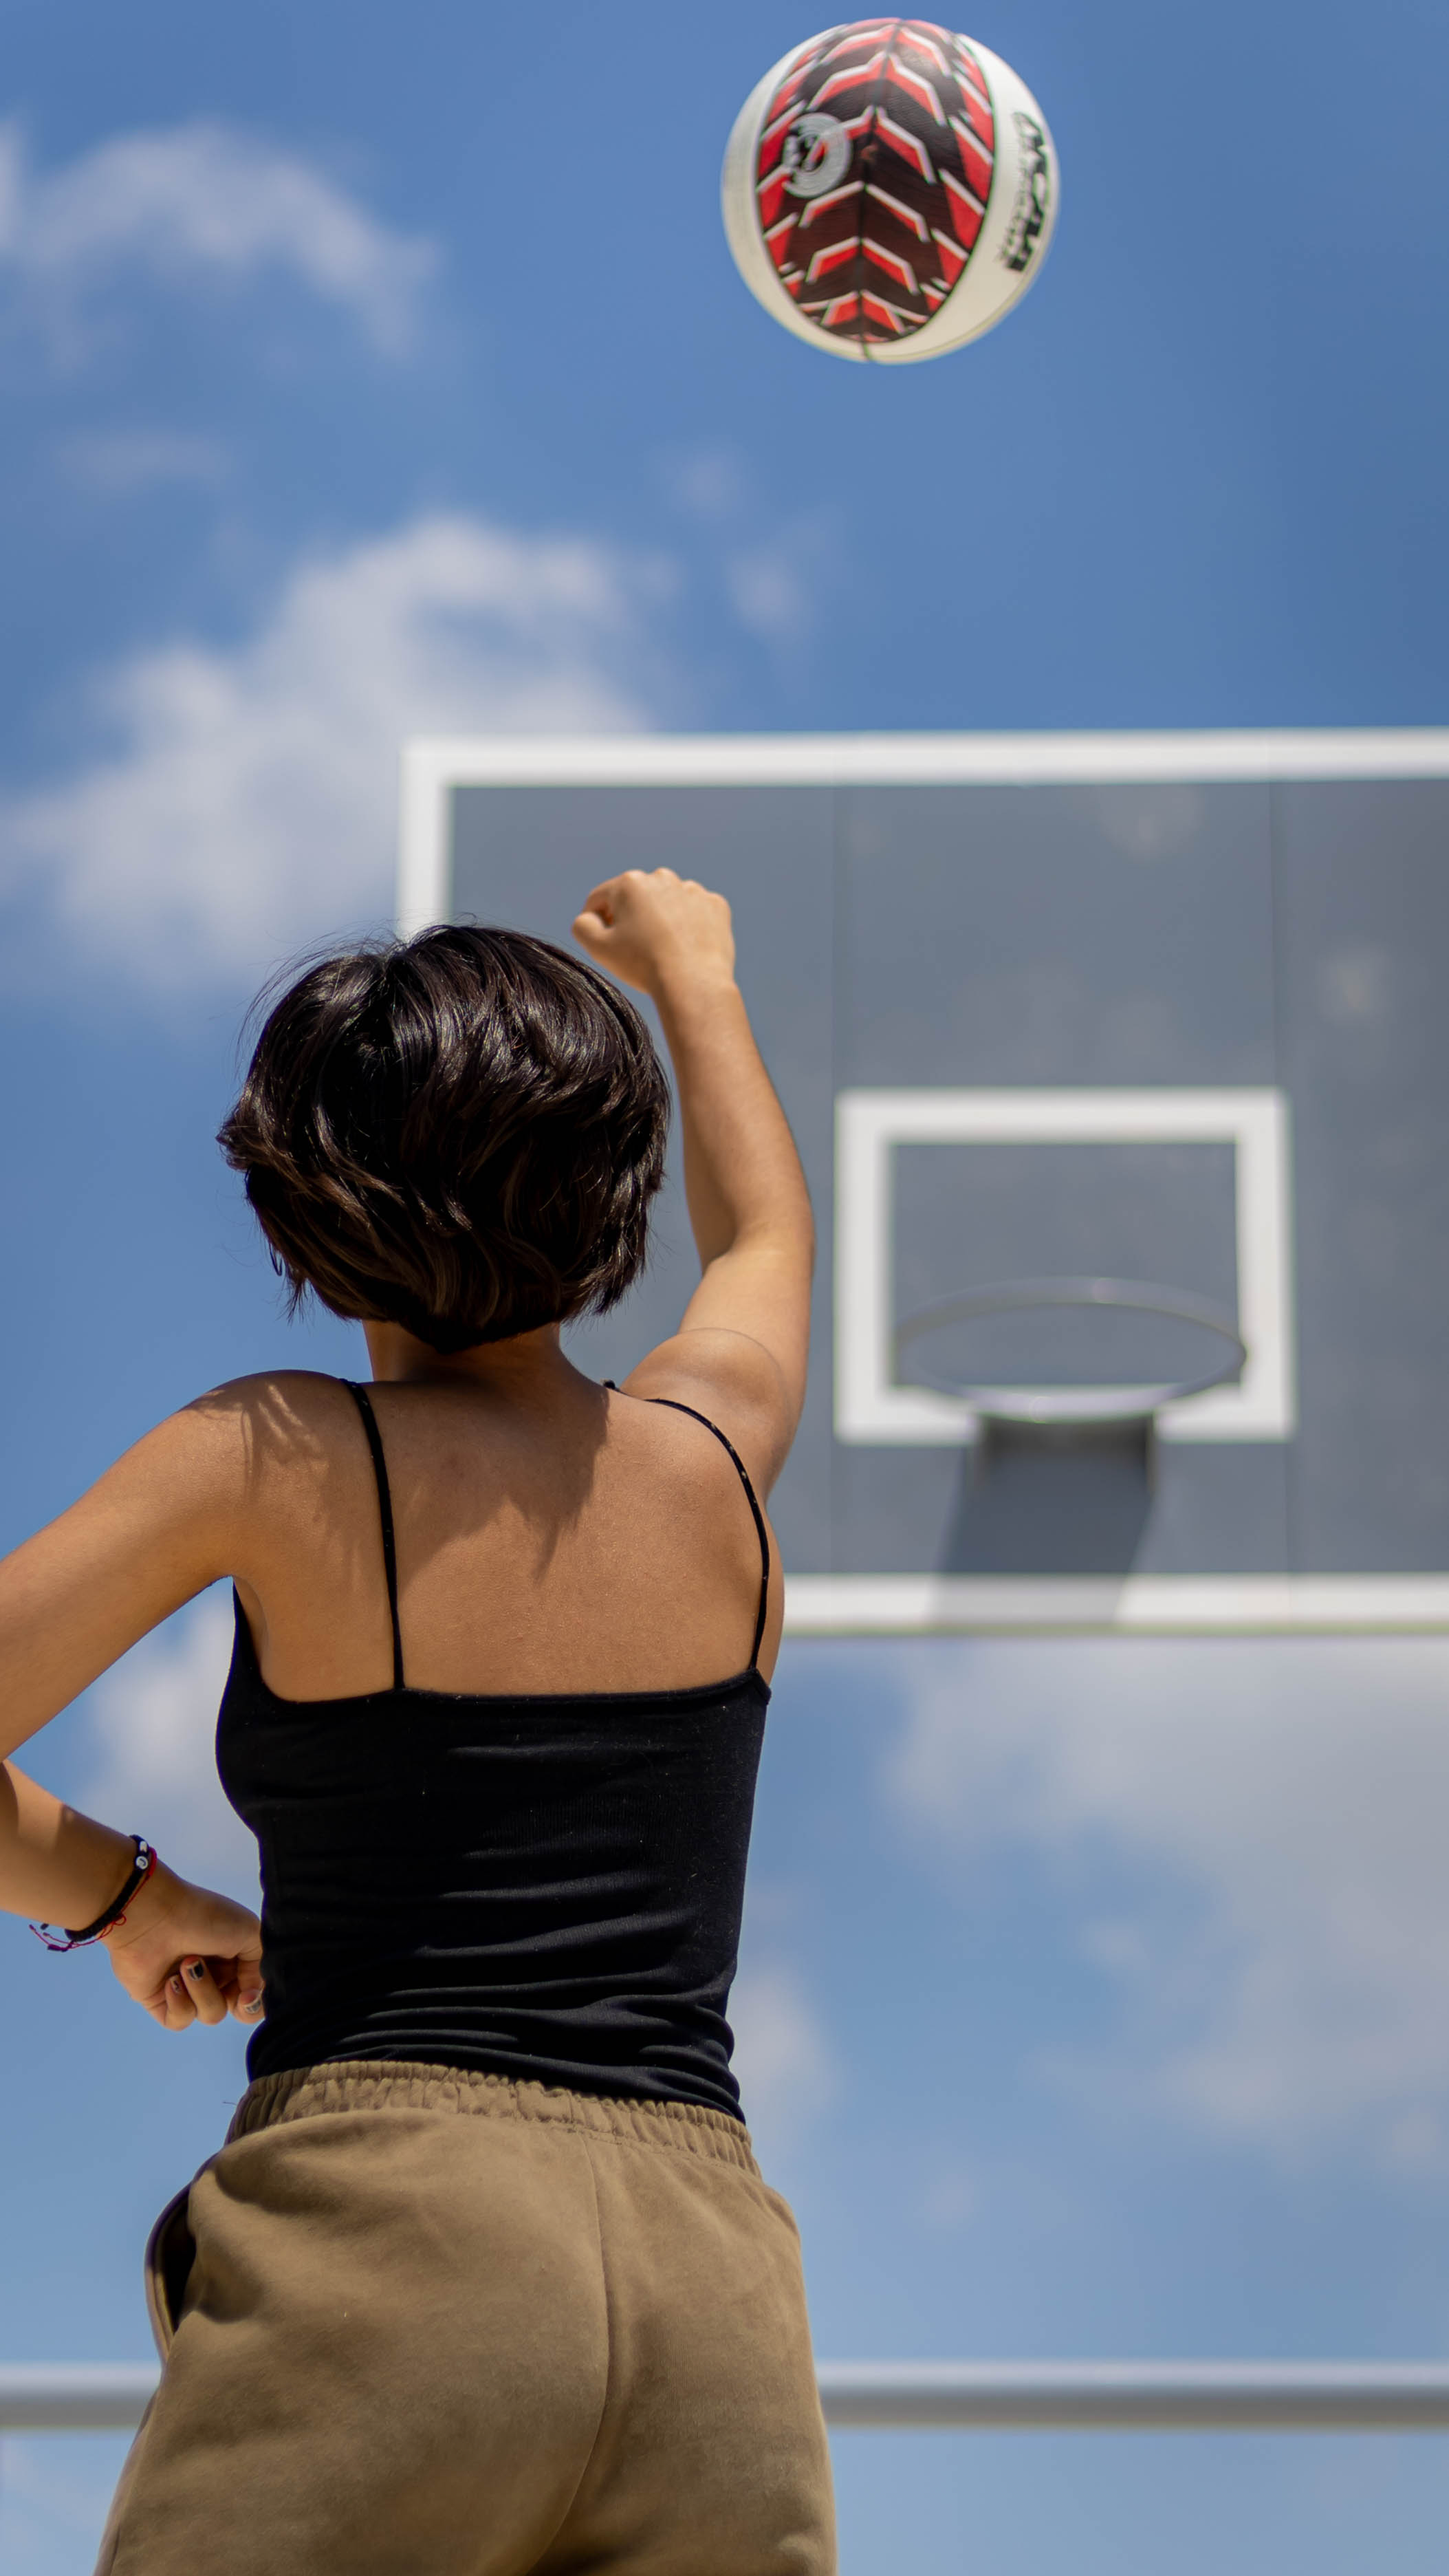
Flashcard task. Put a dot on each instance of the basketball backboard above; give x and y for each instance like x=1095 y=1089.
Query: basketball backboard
x=1160 y=1009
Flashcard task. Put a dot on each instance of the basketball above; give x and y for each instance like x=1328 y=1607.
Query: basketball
x=889 y=190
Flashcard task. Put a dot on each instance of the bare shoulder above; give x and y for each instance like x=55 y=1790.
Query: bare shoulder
x=228 y=1442
x=733 y=1380
x=287 y=1407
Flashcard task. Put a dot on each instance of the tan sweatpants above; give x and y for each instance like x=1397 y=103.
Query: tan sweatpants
x=441 y=2324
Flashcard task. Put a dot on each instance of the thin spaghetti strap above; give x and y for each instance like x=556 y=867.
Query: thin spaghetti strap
x=750 y=1497
x=384 y=1505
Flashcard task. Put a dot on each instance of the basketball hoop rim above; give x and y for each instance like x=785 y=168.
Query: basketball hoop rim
x=1082 y=1406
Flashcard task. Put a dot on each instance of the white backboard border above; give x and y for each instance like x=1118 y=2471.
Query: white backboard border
x=871 y=1405
x=434 y=764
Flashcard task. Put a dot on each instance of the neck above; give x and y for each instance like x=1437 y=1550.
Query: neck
x=527 y=1364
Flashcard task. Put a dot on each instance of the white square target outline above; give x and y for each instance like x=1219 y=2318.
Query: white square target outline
x=872 y=1406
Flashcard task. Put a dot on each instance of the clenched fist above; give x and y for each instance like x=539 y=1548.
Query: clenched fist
x=660 y=932
x=185 y=1954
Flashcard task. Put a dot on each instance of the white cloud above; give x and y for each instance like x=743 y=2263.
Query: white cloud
x=709 y=482
x=153 y=1768
x=767 y=594
x=131 y=460
x=776 y=584
x=197 y=199
x=781 y=583
x=249 y=802
x=1273 y=1814
x=783 y=2057
x=776 y=587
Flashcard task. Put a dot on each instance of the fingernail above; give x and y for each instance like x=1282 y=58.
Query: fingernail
x=196 y=1968
x=251 y=2003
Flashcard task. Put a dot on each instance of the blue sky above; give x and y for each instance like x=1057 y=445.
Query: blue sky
x=363 y=370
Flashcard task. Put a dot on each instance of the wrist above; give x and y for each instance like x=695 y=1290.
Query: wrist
x=153 y=1901
x=684 y=992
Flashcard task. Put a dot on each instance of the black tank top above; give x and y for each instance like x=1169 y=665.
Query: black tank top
x=540 y=1884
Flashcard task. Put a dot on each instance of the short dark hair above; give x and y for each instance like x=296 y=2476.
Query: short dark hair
x=460 y=1133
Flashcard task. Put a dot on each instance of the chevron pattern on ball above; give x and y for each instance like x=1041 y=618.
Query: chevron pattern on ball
x=875 y=255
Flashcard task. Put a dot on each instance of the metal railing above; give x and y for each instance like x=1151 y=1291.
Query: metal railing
x=1138 y=2396
x=946 y=2396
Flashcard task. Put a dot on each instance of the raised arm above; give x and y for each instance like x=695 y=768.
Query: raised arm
x=742 y=1347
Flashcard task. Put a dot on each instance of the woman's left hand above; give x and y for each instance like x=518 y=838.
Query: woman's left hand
x=186 y=1954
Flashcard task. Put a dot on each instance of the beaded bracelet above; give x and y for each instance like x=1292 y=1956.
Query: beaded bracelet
x=55 y=1936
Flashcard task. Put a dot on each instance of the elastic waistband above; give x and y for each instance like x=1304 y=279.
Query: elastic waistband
x=397 y=2084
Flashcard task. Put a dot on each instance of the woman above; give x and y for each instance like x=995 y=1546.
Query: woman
x=485 y=2278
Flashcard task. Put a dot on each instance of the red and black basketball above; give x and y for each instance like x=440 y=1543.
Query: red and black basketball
x=865 y=179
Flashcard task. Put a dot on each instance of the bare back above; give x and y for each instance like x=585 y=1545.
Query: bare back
x=589 y=1542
